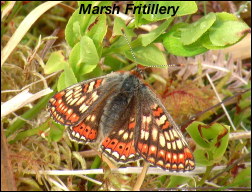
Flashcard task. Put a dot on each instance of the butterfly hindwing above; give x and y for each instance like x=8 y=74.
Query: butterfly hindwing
x=119 y=142
x=87 y=130
x=119 y=145
x=159 y=140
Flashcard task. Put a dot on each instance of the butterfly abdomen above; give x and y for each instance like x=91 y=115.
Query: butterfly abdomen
x=114 y=111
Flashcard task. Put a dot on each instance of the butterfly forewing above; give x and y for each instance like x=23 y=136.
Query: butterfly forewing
x=71 y=105
x=159 y=140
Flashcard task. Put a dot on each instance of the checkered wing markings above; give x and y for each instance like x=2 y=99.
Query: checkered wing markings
x=87 y=130
x=69 y=106
x=119 y=144
x=160 y=141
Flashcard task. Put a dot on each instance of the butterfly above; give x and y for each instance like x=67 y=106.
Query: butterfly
x=123 y=112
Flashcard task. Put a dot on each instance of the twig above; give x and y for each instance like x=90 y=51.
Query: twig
x=223 y=107
x=141 y=177
x=131 y=170
x=229 y=167
x=127 y=18
x=27 y=86
x=24 y=26
x=49 y=44
x=240 y=135
x=90 y=179
x=20 y=100
x=201 y=188
x=212 y=107
x=61 y=186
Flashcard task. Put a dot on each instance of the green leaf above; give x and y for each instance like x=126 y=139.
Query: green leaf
x=118 y=41
x=243 y=179
x=73 y=31
x=137 y=15
x=228 y=33
x=176 y=181
x=119 y=24
x=55 y=62
x=61 y=82
x=28 y=115
x=84 y=57
x=211 y=140
x=224 y=16
x=243 y=112
x=194 y=31
x=74 y=58
x=151 y=36
x=185 y=8
x=118 y=46
x=173 y=44
x=220 y=19
x=113 y=62
x=243 y=117
x=208 y=44
x=88 y=55
x=97 y=31
x=147 y=56
x=78 y=23
x=66 y=79
x=56 y=132
x=195 y=133
x=203 y=157
x=30 y=132
x=97 y=72
x=70 y=78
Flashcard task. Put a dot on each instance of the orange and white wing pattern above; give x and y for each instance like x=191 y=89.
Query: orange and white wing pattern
x=159 y=140
x=128 y=117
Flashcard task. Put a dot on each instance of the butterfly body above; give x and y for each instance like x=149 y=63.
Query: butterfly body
x=122 y=112
x=115 y=110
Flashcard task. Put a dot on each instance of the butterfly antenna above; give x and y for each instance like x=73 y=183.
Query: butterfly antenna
x=134 y=57
x=131 y=50
x=139 y=70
